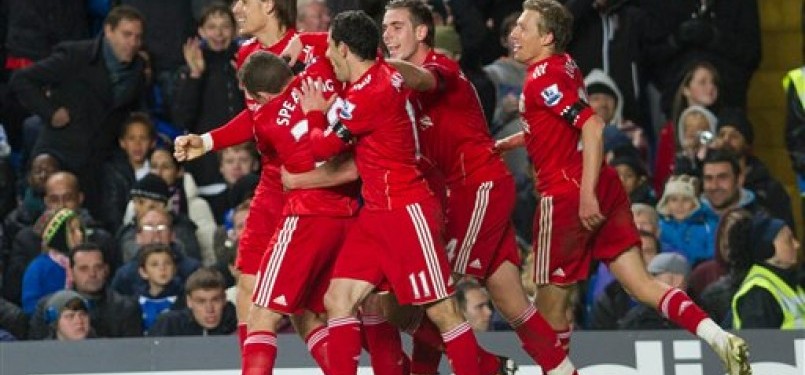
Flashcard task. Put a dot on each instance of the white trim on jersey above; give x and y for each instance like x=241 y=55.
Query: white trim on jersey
x=476 y=219
x=266 y=283
x=543 y=255
x=428 y=250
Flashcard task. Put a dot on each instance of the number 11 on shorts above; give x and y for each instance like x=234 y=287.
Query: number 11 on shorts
x=416 y=285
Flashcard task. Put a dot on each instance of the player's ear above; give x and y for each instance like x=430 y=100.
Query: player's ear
x=547 y=39
x=421 y=32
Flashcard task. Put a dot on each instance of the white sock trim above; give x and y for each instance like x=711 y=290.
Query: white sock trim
x=564 y=368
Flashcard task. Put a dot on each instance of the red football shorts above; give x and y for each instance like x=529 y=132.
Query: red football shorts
x=295 y=272
x=564 y=249
x=480 y=236
x=403 y=247
x=265 y=211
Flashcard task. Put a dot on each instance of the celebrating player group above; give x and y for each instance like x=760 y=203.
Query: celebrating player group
x=328 y=109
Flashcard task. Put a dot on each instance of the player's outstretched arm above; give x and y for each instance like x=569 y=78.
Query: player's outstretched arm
x=340 y=170
x=511 y=142
x=189 y=147
x=416 y=77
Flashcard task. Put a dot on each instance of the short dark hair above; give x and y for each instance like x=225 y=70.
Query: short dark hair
x=286 y=12
x=138 y=118
x=204 y=278
x=420 y=13
x=85 y=247
x=723 y=156
x=150 y=249
x=213 y=9
x=555 y=19
x=123 y=12
x=358 y=31
x=264 y=72
x=462 y=288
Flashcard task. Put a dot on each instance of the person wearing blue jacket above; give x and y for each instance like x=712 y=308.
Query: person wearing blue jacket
x=686 y=226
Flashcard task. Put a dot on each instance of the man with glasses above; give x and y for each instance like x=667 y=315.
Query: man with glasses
x=61 y=191
x=155 y=227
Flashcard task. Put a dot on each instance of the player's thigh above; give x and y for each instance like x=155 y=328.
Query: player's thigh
x=560 y=241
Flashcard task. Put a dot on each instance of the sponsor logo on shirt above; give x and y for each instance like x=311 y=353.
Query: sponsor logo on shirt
x=540 y=70
x=551 y=95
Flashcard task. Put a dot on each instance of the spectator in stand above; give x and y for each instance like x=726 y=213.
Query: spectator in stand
x=735 y=134
x=168 y=25
x=696 y=129
x=152 y=192
x=699 y=86
x=36 y=26
x=32 y=200
x=160 y=288
x=233 y=163
x=670 y=268
x=607 y=101
x=794 y=84
x=60 y=230
x=92 y=86
x=714 y=282
x=312 y=16
x=646 y=219
x=723 y=184
x=473 y=301
x=155 y=227
x=207 y=93
x=686 y=227
x=183 y=200
x=110 y=314
x=13 y=322
x=67 y=313
x=610 y=35
x=634 y=178
x=137 y=138
x=61 y=191
x=770 y=295
x=207 y=312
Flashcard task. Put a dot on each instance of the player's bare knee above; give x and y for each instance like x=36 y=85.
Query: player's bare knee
x=262 y=319
x=444 y=314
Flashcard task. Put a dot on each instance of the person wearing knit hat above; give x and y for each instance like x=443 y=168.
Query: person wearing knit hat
x=148 y=193
x=770 y=294
x=68 y=314
x=60 y=230
x=735 y=133
x=670 y=268
x=684 y=226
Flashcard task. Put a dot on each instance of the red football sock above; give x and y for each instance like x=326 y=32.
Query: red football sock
x=424 y=358
x=344 y=345
x=539 y=339
x=427 y=333
x=564 y=338
x=678 y=308
x=243 y=331
x=316 y=342
x=488 y=363
x=259 y=353
x=383 y=344
x=462 y=350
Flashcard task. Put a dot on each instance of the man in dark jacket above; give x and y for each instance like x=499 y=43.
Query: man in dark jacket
x=735 y=133
x=83 y=91
x=207 y=312
x=110 y=314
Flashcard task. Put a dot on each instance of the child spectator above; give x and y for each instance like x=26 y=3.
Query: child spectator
x=634 y=178
x=49 y=272
x=684 y=226
x=161 y=287
x=234 y=163
x=68 y=314
x=207 y=312
x=207 y=92
x=696 y=129
x=137 y=138
x=151 y=192
x=183 y=200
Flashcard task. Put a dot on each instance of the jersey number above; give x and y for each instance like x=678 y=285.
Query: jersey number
x=419 y=281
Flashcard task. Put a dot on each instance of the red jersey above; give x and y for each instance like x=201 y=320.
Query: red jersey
x=554 y=107
x=241 y=128
x=452 y=129
x=377 y=114
x=282 y=123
